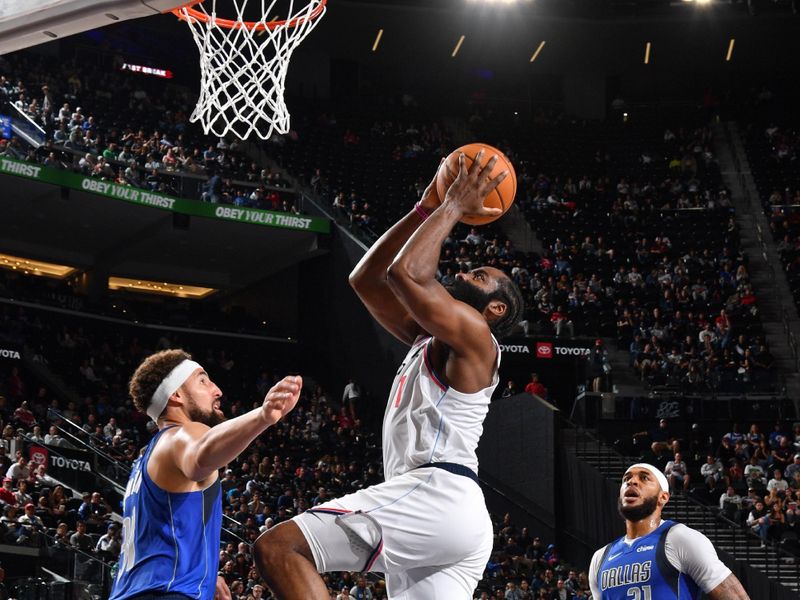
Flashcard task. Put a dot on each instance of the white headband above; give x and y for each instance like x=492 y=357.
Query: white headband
x=169 y=386
x=662 y=480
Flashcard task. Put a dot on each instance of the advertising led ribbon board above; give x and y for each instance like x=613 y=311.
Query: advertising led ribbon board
x=184 y=206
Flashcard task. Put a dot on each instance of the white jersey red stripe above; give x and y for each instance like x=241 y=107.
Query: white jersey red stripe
x=427 y=421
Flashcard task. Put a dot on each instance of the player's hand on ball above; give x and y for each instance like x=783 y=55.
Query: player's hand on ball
x=472 y=185
x=282 y=398
x=430 y=200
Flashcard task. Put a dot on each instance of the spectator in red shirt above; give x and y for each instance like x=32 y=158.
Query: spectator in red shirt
x=535 y=387
x=560 y=321
x=6 y=493
x=24 y=416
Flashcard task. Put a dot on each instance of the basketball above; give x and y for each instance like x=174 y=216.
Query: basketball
x=501 y=197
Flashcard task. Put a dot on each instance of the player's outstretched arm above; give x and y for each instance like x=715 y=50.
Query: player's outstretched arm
x=368 y=278
x=412 y=275
x=730 y=589
x=199 y=450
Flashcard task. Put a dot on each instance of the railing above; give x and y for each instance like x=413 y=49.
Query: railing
x=181 y=183
x=24 y=126
x=715 y=523
x=116 y=465
x=754 y=206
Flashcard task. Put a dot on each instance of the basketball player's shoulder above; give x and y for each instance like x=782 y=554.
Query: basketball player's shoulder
x=692 y=553
x=597 y=559
x=680 y=534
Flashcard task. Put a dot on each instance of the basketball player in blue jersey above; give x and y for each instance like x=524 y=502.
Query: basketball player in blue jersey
x=657 y=559
x=172 y=508
x=426 y=527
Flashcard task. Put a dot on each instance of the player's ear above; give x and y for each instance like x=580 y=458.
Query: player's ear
x=663 y=498
x=178 y=398
x=496 y=308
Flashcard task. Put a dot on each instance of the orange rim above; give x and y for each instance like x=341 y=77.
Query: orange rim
x=251 y=25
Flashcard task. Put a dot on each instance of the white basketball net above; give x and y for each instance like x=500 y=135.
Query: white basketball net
x=244 y=70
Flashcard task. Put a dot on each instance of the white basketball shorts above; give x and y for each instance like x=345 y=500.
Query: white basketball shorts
x=427 y=530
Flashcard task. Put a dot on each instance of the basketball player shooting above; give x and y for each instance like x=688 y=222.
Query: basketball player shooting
x=426 y=527
x=657 y=559
x=173 y=503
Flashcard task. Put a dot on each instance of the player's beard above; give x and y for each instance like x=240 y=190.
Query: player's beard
x=469 y=294
x=210 y=417
x=637 y=513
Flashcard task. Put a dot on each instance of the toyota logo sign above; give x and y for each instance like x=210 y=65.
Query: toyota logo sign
x=544 y=350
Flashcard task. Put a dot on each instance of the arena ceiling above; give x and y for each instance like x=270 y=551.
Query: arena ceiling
x=581 y=35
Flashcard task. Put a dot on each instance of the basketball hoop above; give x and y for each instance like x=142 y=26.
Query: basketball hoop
x=244 y=64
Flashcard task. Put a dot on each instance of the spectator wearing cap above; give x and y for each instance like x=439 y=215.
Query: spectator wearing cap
x=109 y=546
x=7 y=495
x=31 y=527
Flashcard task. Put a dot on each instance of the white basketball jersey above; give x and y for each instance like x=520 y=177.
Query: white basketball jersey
x=425 y=421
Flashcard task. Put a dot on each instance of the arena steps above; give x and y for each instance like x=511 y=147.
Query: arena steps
x=775 y=301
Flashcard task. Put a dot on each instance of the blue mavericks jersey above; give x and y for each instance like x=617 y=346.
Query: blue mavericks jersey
x=641 y=571
x=170 y=540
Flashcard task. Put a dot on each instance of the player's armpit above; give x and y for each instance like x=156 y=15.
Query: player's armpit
x=222 y=592
x=387 y=310
x=729 y=589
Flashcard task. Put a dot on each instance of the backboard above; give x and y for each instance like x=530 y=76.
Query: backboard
x=25 y=23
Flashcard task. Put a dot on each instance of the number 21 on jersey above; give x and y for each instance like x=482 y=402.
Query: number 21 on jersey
x=642 y=593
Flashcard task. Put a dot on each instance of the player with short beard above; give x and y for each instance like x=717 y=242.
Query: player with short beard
x=657 y=559
x=172 y=507
x=426 y=527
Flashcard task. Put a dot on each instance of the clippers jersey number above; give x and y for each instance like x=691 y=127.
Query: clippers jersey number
x=403 y=378
x=400 y=390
